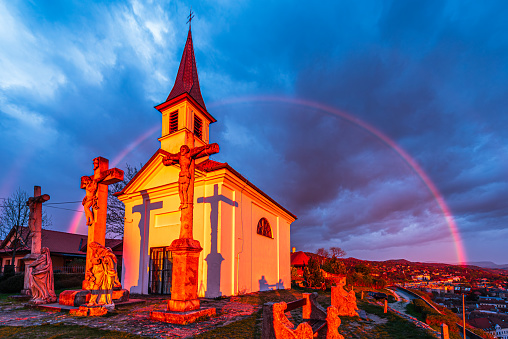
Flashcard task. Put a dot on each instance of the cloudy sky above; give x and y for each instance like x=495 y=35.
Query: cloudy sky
x=369 y=120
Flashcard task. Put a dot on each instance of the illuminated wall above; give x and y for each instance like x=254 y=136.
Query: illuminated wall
x=226 y=213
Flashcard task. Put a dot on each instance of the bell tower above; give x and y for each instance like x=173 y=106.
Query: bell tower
x=185 y=119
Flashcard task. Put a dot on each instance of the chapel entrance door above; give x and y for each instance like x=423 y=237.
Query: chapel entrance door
x=161 y=270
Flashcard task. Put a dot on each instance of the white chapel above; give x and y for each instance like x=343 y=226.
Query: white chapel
x=245 y=234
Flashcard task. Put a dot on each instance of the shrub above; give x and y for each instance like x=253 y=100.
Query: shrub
x=13 y=284
x=68 y=280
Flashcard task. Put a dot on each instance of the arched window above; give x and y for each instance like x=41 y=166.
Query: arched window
x=264 y=228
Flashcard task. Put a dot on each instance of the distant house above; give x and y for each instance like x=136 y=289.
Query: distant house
x=66 y=249
x=492 y=325
x=299 y=260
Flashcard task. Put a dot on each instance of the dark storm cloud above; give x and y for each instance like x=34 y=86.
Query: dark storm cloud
x=429 y=75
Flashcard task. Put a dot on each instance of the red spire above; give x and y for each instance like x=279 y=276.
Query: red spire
x=187 y=77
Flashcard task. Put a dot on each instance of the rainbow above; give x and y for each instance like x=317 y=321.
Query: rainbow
x=459 y=247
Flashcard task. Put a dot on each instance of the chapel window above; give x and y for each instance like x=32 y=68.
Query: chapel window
x=173 y=121
x=264 y=228
x=198 y=127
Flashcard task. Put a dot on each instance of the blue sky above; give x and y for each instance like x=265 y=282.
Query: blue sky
x=80 y=79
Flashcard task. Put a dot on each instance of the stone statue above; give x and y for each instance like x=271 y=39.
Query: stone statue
x=344 y=301
x=186 y=158
x=102 y=277
x=90 y=200
x=41 y=279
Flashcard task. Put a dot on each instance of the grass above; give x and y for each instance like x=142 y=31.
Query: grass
x=247 y=328
x=61 y=331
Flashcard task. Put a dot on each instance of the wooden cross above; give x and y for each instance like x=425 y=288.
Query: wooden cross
x=186 y=158
x=96 y=201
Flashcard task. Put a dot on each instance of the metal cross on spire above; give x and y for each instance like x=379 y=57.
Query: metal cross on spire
x=190 y=17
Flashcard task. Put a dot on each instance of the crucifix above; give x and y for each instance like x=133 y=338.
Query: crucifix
x=185 y=249
x=95 y=202
x=187 y=158
x=35 y=225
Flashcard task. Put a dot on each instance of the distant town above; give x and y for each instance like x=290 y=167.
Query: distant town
x=485 y=290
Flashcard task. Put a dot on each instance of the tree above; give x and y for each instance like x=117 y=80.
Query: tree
x=312 y=273
x=337 y=252
x=334 y=266
x=322 y=252
x=116 y=208
x=15 y=217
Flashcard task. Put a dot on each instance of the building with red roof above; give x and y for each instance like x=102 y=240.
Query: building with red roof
x=66 y=248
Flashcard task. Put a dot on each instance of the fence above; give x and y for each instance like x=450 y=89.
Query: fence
x=11 y=269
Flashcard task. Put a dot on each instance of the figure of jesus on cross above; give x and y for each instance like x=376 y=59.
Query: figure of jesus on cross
x=186 y=158
x=95 y=203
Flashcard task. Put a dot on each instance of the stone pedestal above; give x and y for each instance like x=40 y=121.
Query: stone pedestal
x=27 y=260
x=184 y=288
x=184 y=306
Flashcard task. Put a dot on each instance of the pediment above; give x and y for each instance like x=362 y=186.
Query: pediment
x=154 y=174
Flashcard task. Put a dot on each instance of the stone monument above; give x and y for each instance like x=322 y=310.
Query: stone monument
x=102 y=276
x=41 y=279
x=345 y=302
x=184 y=307
x=35 y=226
x=100 y=261
x=95 y=203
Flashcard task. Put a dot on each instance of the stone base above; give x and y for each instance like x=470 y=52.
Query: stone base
x=120 y=295
x=80 y=297
x=74 y=297
x=183 y=305
x=181 y=318
x=85 y=311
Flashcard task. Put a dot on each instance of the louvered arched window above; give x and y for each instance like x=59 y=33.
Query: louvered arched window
x=264 y=228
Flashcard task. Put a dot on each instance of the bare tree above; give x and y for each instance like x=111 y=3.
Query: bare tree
x=322 y=252
x=14 y=221
x=116 y=208
x=337 y=252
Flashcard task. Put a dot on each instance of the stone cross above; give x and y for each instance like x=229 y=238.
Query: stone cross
x=35 y=226
x=35 y=218
x=185 y=249
x=96 y=202
x=186 y=158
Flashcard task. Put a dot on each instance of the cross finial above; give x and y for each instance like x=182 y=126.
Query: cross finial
x=190 y=17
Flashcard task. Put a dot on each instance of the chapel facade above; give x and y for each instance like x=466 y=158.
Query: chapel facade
x=245 y=234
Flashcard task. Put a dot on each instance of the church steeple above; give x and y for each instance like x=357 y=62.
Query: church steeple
x=185 y=120
x=187 y=78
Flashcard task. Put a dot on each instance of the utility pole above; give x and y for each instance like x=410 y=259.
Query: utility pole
x=464 y=315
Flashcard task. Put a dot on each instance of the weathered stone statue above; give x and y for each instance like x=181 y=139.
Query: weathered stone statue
x=186 y=158
x=90 y=200
x=102 y=276
x=41 y=279
x=344 y=301
x=35 y=225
